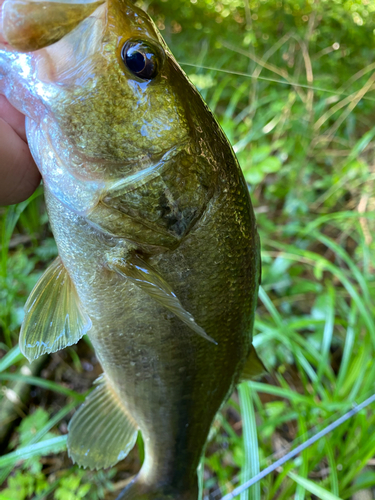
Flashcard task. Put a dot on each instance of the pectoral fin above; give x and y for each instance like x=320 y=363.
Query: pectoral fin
x=101 y=432
x=54 y=318
x=254 y=366
x=32 y=25
x=147 y=279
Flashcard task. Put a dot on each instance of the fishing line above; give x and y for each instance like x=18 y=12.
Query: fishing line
x=240 y=489
x=300 y=439
x=272 y=80
x=288 y=456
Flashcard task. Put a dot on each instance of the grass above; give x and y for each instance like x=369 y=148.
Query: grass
x=308 y=156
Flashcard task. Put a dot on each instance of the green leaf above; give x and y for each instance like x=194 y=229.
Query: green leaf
x=270 y=165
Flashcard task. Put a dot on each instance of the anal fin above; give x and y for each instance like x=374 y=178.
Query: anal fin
x=147 y=279
x=101 y=432
x=54 y=317
x=254 y=366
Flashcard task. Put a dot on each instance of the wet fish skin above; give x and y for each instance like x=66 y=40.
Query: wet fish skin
x=138 y=173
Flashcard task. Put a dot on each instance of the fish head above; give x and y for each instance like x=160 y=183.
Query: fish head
x=111 y=84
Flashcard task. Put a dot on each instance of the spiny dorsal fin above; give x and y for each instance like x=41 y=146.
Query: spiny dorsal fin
x=101 y=432
x=147 y=279
x=32 y=25
x=54 y=318
x=254 y=366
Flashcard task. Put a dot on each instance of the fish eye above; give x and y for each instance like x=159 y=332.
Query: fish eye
x=143 y=59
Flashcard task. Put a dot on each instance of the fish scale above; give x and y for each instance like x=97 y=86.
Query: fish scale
x=159 y=256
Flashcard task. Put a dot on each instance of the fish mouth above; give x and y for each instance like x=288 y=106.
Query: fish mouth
x=32 y=25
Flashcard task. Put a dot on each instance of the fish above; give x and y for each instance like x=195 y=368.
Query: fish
x=158 y=250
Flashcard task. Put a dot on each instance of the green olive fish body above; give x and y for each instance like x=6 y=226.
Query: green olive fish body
x=158 y=248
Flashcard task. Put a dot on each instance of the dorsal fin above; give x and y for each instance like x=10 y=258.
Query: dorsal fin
x=32 y=25
x=149 y=280
x=54 y=317
x=254 y=366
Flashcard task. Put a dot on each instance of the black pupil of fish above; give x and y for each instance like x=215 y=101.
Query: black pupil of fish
x=141 y=59
x=135 y=61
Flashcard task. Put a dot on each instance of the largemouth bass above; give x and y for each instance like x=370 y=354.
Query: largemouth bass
x=158 y=248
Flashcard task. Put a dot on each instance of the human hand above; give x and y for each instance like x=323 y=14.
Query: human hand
x=19 y=176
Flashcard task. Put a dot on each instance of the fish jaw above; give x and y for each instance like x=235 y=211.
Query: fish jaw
x=28 y=25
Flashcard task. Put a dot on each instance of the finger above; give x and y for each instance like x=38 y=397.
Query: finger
x=12 y=116
x=19 y=176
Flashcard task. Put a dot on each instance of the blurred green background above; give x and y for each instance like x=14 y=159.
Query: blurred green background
x=292 y=83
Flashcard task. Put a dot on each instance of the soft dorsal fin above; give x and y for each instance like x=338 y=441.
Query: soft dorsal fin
x=32 y=25
x=54 y=317
x=149 y=280
x=254 y=366
x=101 y=432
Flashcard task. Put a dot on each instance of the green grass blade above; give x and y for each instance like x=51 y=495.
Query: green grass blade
x=304 y=469
x=336 y=217
x=44 y=494
x=361 y=144
x=359 y=460
x=333 y=468
x=52 y=445
x=52 y=422
x=322 y=264
x=364 y=481
x=348 y=349
x=250 y=440
x=4 y=473
x=283 y=393
x=340 y=252
x=329 y=311
x=46 y=384
x=270 y=307
x=200 y=474
x=313 y=488
x=10 y=358
x=9 y=221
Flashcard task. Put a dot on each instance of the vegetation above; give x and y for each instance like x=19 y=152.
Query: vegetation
x=292 y=83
